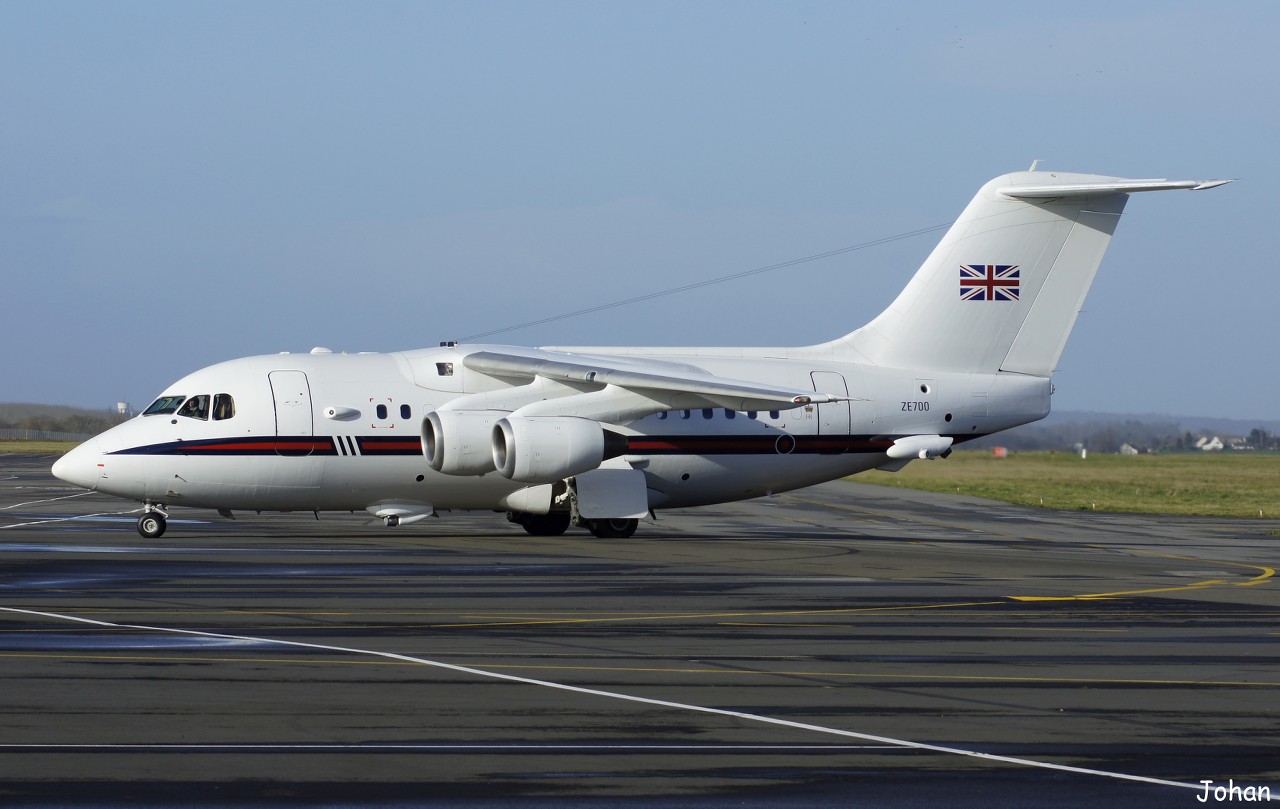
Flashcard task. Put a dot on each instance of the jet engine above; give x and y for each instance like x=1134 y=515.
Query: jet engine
x=458 y=442
x=544 y=449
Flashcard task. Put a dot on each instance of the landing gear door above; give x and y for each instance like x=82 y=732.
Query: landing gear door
x=292 y=396
x=833 y=417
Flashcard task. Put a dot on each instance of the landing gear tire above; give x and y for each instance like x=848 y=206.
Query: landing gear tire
x=544 y=525
x=151 y=525
x=613 y=529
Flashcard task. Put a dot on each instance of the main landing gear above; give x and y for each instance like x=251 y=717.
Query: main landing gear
x=541 y=525
x=612 y=529
x=557 y=522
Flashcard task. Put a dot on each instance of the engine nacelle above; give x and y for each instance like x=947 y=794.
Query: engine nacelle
x=544 y=449
x=459 y=442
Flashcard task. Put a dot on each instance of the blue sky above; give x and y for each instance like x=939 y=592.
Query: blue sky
x=184 y=183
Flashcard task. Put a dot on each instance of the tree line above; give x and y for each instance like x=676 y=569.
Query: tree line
x=59 y=420
x=1109 y=436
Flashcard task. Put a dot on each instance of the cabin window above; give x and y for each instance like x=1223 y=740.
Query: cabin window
x=224 y=407
x=382 y=412
x=707 y=412
x=773 y=414
x=684 y=414
x=164 y=406
x=197 y=407
x=662 y=415
x=406 y=412
x=751 y=415
x=729 y=414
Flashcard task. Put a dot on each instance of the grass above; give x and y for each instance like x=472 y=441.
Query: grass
x=41 y=447
x=1220 y=485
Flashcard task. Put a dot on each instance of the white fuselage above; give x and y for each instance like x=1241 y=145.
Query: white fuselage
x=325 y=431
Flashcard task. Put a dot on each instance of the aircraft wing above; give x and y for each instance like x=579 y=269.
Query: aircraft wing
x=650 y=378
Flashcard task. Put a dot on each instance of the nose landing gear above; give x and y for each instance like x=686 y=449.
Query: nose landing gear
x=152 y=522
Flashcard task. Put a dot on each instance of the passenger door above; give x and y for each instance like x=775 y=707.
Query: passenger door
x=292 y=395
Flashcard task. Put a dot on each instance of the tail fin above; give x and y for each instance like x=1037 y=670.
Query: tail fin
x=1002 y=289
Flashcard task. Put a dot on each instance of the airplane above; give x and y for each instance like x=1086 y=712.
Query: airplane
x=601 y=437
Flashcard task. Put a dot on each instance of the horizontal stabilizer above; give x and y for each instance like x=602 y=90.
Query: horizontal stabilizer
x=1070 y=190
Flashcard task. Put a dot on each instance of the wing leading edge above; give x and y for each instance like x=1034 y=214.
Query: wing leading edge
x=652 y=379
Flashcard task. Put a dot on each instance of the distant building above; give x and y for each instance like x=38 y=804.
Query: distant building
x=1128 y=449
x=1209 y=444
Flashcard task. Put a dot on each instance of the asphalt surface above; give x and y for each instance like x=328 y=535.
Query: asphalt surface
x=846 y=645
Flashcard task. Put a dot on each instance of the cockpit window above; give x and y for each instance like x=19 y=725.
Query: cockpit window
x=163 y=406
x=224 y=407
x=197 y=407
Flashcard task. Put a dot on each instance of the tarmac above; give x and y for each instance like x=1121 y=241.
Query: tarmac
x=844 y=645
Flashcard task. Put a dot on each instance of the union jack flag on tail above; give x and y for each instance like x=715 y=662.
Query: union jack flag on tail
x=989 y=282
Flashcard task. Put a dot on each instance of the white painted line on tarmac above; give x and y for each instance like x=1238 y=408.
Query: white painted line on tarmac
x=679 y=706
x=69 y=519
x=48 y=500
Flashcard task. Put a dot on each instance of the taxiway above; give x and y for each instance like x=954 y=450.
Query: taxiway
x=843 y=645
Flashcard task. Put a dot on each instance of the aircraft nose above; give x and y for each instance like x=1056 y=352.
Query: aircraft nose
x=80 y=465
